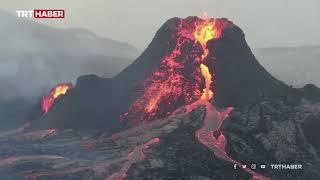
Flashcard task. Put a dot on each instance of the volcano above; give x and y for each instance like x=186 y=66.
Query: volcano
x=195 y=105
x=167 y=76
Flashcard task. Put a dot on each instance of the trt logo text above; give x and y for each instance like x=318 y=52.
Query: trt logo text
x=41 y=13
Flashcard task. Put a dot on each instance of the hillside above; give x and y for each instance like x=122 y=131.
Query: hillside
x=296 y=66
x=34 y=57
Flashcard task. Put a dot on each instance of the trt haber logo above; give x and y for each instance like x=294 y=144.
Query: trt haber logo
x=41 y=13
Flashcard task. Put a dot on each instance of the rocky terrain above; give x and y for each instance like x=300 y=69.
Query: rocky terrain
x=267 y=132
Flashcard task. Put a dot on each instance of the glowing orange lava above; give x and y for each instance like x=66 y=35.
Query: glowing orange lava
x=203 y=33
x=179 y=80
x=182 y=73
x=213 y=119
x=207 y=93
x=48 y=101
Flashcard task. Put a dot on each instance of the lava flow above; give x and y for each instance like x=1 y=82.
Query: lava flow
x=58 y=90
x=178 y=80
x=133 y=157
x=213 y=119
x=184 y=79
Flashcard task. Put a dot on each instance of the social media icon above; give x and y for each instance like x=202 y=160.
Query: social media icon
x=253 y=166
x=235 y=166
x=262 y=166
x=244 y=166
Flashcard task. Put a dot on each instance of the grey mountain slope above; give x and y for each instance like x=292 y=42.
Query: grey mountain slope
x=296 y=66
x=34 y=57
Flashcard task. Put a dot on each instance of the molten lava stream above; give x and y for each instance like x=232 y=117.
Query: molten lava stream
x=212 y=123
x=213 y=119
x=58 y=90
x=205 y=135
x=169 y=84
x=133 y=157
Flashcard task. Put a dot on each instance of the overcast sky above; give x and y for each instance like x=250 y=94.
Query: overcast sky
x=265 y=22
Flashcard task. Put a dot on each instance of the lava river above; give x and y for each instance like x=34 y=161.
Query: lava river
x=184 y=79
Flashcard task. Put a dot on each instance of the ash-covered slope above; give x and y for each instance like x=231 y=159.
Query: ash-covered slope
x=86 y=106
x=240 y=79
x=166 y=76
x=266 y=132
